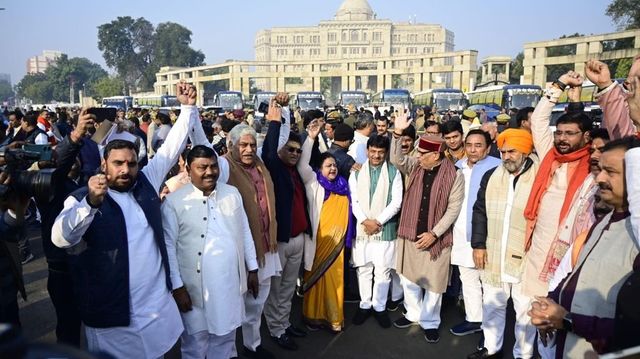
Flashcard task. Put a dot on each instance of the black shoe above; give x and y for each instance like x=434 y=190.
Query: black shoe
x=361 y=316
x=393 y=305
x=431 y=335
x=295 y=332
x=285 y=342
x=27 y=258
x=466 y=328
x=313 y=327
x=382 y=318
x=403 y=323
x=260 y=353
x=483 y=353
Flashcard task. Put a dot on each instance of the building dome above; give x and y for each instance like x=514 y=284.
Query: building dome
x=355 y=10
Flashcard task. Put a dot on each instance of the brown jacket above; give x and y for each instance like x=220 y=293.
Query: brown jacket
x=239 y=178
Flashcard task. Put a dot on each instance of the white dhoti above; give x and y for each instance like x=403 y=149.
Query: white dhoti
x=423 y=306
x=204 y=345
x=374 y=260
x=472 y=293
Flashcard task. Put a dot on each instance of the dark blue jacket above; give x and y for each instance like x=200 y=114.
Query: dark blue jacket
x=101 y=269
x=282 y=183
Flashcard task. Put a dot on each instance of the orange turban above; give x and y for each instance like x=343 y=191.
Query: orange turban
x=519 y=139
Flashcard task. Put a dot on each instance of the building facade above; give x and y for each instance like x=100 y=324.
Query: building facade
x=40 y=63
x=544 y=61
x=354 y=51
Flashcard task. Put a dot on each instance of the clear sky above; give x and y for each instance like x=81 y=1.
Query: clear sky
x=225 y=29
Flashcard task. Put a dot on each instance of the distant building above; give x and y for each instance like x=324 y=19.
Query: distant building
x=40 y=63
x=5 y=77
x=354 y=51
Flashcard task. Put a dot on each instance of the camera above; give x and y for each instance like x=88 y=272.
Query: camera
x=37 y=184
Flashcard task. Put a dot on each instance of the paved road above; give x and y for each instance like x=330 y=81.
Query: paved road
x=366 y=341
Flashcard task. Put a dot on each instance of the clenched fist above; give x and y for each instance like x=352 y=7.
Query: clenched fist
x=98 y=186
x=186 y=93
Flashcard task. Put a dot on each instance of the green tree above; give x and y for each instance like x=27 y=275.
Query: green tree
x=136 y=50
x=6 y=92
x=517 y=68
x=78 y=71
x=35 y=87
x=106 y=87
x=625 y=13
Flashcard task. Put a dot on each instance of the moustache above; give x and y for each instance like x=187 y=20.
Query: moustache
x=605 y=186
x=564 y=144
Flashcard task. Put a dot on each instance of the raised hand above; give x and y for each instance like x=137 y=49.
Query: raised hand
x=572 y=79
x=85 y=120
x=598 y=73
x=275 y=111
x=402 y=122
x=282 y=98
x=186 y=93
x=97 y=190
x=313 y=130
x=633 y=99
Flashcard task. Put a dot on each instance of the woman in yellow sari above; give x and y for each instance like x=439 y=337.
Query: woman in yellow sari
x=332 y=229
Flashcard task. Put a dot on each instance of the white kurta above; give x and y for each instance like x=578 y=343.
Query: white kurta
x=155 y=321
x=461 y=251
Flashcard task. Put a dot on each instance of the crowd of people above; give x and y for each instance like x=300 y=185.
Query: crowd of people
x=188 y=226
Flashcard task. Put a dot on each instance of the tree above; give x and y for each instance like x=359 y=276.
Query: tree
x=106 y=87
x=127 y=47
x=625 y=13
x=78 y=71
x=6 y=92
x=137 y=51
x=35 y=87
x=517 y=68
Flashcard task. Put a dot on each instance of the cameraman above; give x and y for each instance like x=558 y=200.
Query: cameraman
x=12 y=210
x=66 y=179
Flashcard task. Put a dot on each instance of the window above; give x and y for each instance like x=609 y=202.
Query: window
x=377 y=50
x=315 y=39
x=412 y=50
x=298 y=39
x=344 y=50
x=377 y=36
x=282 y=40
x=354 y=50
x=281 y=52
x=364 y=36
x=314 y=52
x=331 y=37
x=431 y=37
x=396 y=38
x=395 y=50
x=298 y=52
x=331 y=51
x=413 y=37
x=344 y=36
x=364 y=50
x=354 y=35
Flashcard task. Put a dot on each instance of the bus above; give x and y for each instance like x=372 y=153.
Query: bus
x=121 y=102
x=356 y=98
x=392 y=97
x=506 y=96
x=441 y=99
x=309 y=100
x=152 y=100
x=229 y=100
x=260 y=97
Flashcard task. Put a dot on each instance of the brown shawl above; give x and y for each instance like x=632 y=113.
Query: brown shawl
x=240 y=179
x=438 y=202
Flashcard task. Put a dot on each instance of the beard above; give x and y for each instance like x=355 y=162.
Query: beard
x=513 y=166
x=123 y=187
x=568 y=148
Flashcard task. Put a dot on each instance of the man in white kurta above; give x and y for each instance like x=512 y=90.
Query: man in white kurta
x=376 y=194
x=210 y=250
x=155 y=323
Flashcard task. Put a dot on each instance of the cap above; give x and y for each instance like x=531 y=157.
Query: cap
x=469 y=113
x=431 y=143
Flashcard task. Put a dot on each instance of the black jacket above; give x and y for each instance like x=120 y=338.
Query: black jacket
x=282 y=183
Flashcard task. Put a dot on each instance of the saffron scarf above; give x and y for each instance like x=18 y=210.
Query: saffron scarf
x=438 y=202
x=551 y=162
x=339 y=186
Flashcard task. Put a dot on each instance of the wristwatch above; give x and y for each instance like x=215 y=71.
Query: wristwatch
x=567 y=322
x=561 y=85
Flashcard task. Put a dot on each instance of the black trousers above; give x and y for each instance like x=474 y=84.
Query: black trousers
x=60 y=289
x=9 y=302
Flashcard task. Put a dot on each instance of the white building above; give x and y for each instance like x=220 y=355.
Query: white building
x=40 y=63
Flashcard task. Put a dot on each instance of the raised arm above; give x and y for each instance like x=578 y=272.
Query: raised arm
x=199 y=138
x=403 y=163
x=168 y=153
x=304 y=168
x=611 y=98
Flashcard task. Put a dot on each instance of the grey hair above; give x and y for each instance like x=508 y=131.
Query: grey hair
x=364 y=120
x=241 y=130
x=216 y=125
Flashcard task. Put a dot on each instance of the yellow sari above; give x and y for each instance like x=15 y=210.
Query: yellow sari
x=324 y=298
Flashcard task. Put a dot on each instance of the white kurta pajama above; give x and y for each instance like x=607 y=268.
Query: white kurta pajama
x=204 y=264
x=155 y=321
x=374 y=258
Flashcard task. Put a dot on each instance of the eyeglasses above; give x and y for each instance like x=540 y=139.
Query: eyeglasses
x=566 y=133
x=294 y=149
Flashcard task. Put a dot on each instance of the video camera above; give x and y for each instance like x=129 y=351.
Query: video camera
x=37 y=184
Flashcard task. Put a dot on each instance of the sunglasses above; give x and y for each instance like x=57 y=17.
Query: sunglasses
x=293 y=149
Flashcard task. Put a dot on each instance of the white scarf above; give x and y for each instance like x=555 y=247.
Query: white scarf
x=379 y=200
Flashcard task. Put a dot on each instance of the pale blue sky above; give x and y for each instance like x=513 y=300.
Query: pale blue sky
x=226 y=29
